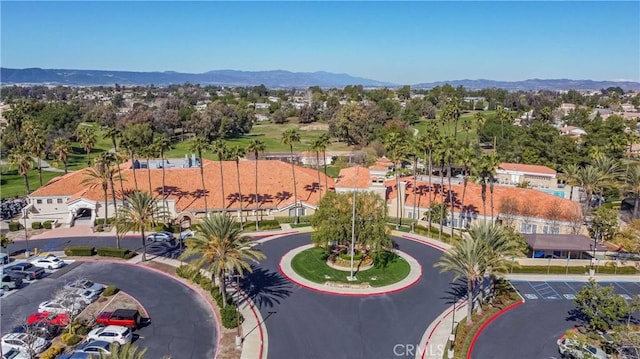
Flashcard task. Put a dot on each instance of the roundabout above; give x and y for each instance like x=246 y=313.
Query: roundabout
x=303 y=267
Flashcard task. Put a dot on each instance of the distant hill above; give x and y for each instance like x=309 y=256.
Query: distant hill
x=536 y=84
x=272 y=79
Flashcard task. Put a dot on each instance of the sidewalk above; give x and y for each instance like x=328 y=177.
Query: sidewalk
x=573 y=277
x=434 y=341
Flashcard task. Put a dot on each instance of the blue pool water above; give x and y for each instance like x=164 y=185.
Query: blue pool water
x=555 y=193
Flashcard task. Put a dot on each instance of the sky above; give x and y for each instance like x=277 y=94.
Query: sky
x=400 y=42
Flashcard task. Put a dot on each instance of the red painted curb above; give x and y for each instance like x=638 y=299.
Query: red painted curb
x=179 y=280
x=347 y=294
x=255 y=315
x=426 y=344
x=485 y=324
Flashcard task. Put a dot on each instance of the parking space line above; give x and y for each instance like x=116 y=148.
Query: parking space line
x=621 y=287
x=546 y=291
x=570 y=287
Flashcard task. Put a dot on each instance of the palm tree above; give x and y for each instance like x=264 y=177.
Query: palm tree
x=199 y=145
x=291 y=137
x=324 y=141
x=220 y=148
x=591 y=180
x=428 y=142
x=570 y=176
x=448 y=151
x=36 y=143
x=480 y=120
x=466 y=156
x=86 y=136
x=112 y=133
x=62 y=148
x=163 y=144
x=465 y=259
x=21 y=158
x=318 y=146
x=221 y=249
x=236 y=152
x=632 y=186
x=101 y=174
x=149 y=151
x=256 y=146
x=126 y=351
x=394 y=143
x=108 y=159
x=139 y=215
x=491 y=161
x=131 y=146
x=451 y=112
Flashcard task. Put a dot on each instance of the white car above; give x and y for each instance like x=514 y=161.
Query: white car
x=25 y=343
x=575 y=349
x=85 y=284
x=187 y=234
x=62 y=306
x=111 y=334
x=83 y=295
x=49 y=262
x=13 y=354
x=160 y=237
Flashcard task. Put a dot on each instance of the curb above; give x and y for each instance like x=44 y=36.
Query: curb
x=487 y=322
x=446 y=314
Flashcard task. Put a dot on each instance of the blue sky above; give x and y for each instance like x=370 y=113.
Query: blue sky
x=401 y=42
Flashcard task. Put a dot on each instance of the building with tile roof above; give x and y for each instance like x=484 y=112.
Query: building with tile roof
x=65 y=196
x=535 y=175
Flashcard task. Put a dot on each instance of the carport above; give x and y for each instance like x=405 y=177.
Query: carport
x=576 y=246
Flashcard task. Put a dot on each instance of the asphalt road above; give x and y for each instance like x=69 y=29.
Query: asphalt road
x=181 y=323
x=530 y=331
x=306 y=324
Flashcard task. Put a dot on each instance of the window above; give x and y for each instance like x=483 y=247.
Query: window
x=38 y=201
x=49 y=201
x=551 y=230
x=292 y=212
x=528 y=228
x=59 y=200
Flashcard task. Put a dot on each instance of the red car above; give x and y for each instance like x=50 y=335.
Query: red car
x=51 y=318
x=124 y=317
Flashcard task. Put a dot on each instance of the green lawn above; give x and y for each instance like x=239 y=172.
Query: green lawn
x=310 y=265
x=12 y=184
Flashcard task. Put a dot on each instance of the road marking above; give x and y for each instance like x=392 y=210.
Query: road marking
x=621 y=287
x=626 y=296
x=569 y=296
x=531 y=296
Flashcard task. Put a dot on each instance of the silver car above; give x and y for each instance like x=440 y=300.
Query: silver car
x=85 y=284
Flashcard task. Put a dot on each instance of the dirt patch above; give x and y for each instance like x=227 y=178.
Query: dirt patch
x=315 y=127
x=162 y=267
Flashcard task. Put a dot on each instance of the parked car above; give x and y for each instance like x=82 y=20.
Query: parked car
x=4 y=258
x=29 y=271
x=51 y=318
x=76 y=355
x=186 y=234
x=25 y=343
x=13 y=354
x=123 y=317
x=112 y=334
x=40 y=329
x=85 y=284
x=82 y=295
x=94 y=347
x=9 y=282
x=49 y=262
x=160 y=237
x=575 y=349
x=62 y=306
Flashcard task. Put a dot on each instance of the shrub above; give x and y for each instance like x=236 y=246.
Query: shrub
x=100 y=221
x=205 y=283
x=230 y=316
x=15 y=226
x=83 y=329
x=52 y=352
x=47 y=224
x=303 y=219
x=110 y=290
x=184 y=271
x=70 y=339
x=99 y=228
x=382 y=259
x=79 y=251
x=269 y=224
x=347 y=256
x=217 y=296
x=113 y=252
x=36 y=225
x=159 y=227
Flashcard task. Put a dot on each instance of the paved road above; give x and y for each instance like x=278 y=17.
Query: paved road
x=181 y=322
x=530 y=331
x=306 y=324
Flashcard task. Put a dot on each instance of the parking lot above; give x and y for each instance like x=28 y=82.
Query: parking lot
x=559 y=290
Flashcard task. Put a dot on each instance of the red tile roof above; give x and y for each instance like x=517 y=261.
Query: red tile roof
x=275 y=185
x=382 y=164
x=526 y=168
x=354 y=177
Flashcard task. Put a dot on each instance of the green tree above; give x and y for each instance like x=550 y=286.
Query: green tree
x=451 y=112
x=605 y=221
x=600 y=306
x=570 y=175
x=4 y=241
x=139 y=215
x=127 y=351
x=162 y=145
x=86 y=136
x=466 y=156
x=20 y=157
x=291 y=137
x=256 y=146
x=317 y=146
x=236 y=153
x=220 y=248
x=220 y=148
x=112 y=133
x=395 y=144
x=199 y=145
x=591 y=180
x=36 y=142
x=62 y=148
x=100 y=175
x=428 y=142
x=632 y=187
x=108 y=160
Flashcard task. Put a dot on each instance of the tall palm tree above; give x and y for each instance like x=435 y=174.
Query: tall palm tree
x=149 y=151
x=139 y=215
x=236 y=152
x=591 y=180
x=108 y=159
x=318 y=146
x=36 y=142
x=480 y=119
x=570 y=175
x=131 y=146
x=465 y=260
x=86 y=136
x=428 y=142
x=126 y=351
x=199 y=145
x=163 y=144
x=451 y=112
x=220 y=148
x=491 y=161
x=112 y=133
x=413 y=149
x=221 y=249
x=632 y=186
x=20 y=157
x=256 y=146
x=324 y=141
x=62 y=148
x=100 y=175
x=394 y=143
x=466 y=157
x=449 y=150
x=291 y=137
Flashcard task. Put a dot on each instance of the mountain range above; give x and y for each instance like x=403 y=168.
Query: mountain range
x=272 y=79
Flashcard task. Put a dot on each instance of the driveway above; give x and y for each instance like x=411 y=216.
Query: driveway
x=181 y=323
x=530 y=330
x=303 y=323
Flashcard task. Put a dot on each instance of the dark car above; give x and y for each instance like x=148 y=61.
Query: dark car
x=124 y=317
x=40 y=329
x=28 y=270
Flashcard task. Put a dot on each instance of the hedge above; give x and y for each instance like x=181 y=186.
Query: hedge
x=15 y=226
x=70 y=339
x=303 y=219
x=110 y=290
x=36 y=225
x=263 y=225
x=79 y=251
x=100 y=221
x=230 y=316
x=47 y=224
x=114 y=252
x=52 y=352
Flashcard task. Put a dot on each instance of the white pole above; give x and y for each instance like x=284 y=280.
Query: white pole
x=353 y=232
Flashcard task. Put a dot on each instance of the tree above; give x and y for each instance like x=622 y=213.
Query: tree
x=86 y=136
x=163 y=144
x=199 y=145
x=236 y=153
x=317 y=146
x=428 y=142
x=451 y=112
x=394 y=143
x=324 y=141
x=36 y=142
x=632 y=186
x=605 y=222
x=20 y=158
x=291 y=137
x=465 y=260
x=62 y=148
x=256 y=146
x=220 y=248
x=591 y=180
x=466 y=155
x=127 y=351
x=600 y=306
x=139 y=215
x=570 y=176
x=4 y=241
x=100 y=175
x=629 y=237
x=112 y=133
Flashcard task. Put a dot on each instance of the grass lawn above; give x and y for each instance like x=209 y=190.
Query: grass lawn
x=12 y=184
x=310 y=265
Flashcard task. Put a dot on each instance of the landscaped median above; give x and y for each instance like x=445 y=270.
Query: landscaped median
x=88 y=251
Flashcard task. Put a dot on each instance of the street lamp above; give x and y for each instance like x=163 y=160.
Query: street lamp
x=26 y=236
